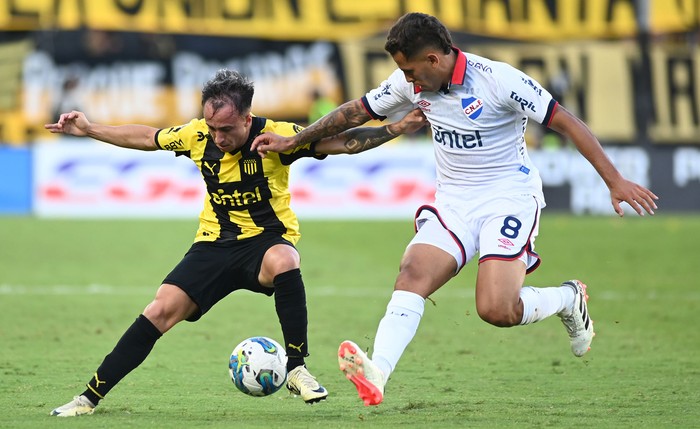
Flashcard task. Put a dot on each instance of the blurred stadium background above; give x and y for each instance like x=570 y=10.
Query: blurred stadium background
x=630 y=69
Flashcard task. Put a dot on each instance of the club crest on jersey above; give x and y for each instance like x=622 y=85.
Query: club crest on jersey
x=250 y=166
x=472 y=107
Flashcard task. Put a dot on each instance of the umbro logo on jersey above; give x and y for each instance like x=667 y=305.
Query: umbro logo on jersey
x=472 y=107
x=506 y=242
x=424 y=105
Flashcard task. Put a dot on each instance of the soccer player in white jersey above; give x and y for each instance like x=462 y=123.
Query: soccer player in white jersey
x=488 y=198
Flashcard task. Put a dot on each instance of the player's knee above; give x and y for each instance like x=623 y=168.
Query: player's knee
x=410 y=280
x=498 y=316
x=156 y=313
x=164 y=314
x=279 y=259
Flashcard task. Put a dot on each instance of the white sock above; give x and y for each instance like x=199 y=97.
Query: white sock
x=540 y=303
x=396 y=329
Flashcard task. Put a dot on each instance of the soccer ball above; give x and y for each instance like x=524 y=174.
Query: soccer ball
x=258 y=366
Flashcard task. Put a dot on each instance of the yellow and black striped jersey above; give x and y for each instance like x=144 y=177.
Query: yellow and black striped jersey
x=246 y=194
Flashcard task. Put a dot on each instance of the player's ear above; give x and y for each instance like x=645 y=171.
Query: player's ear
x=433 y=59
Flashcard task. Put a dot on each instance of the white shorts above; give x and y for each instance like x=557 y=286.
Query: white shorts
x=502 y=228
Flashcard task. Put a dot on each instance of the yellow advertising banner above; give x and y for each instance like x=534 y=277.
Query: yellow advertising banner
x=342 y=19
x=598 y=81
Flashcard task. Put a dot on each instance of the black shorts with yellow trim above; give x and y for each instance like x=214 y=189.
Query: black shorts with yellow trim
x=210 y=271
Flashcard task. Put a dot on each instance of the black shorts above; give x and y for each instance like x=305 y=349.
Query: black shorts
x=210 y=271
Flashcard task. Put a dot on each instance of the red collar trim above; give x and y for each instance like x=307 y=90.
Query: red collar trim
x=460 y=67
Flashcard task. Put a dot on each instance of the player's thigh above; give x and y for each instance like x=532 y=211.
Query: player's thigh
x=424 y=269
x=437 y=226
x=506 y=242
x=498 y=285
x=430 y=260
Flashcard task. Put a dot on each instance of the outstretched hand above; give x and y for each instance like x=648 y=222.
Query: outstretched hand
x=74 y=123
x=638 y=197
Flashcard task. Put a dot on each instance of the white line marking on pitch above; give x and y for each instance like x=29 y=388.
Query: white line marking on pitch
x=327 y=291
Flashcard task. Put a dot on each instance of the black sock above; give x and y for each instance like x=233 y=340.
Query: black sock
x=290 y=303
x=133 y=347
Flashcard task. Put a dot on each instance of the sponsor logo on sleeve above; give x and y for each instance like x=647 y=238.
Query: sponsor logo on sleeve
x=524 y=104
x=385 y=90
x=532 y=85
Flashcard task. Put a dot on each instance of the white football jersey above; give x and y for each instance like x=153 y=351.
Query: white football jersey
x=478 y=126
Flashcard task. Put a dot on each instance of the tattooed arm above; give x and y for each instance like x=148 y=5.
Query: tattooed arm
x=358 y=140
x=348 y=115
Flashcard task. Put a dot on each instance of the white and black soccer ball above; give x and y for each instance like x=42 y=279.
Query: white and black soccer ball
x=258 y=366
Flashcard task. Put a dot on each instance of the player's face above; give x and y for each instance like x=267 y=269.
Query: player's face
x=228 y=128
x=421 y=70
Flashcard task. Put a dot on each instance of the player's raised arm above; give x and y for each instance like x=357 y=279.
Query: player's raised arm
x=344 y=117
x=637 y=196
x=360 y=139
x=141 y=137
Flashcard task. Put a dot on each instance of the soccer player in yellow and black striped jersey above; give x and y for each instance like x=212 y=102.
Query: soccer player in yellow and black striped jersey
x=247 y=230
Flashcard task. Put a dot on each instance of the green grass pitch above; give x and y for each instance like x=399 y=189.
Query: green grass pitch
x=69 y=288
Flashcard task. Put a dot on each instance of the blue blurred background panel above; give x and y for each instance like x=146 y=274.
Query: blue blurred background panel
x=16 y=183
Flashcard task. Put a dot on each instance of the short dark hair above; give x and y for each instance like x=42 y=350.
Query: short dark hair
x=229 y=87
x=414 y=32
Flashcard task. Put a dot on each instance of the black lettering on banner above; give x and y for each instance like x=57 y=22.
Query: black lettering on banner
x=129 y=7
x=246 y=12
x=682 y=89
x=16 y=12
x=676 y=94
x=336 y=19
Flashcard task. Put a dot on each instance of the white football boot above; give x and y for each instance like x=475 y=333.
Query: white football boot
x=301 y=382
x=577 y=321
x=362 y=372
x=79 y=406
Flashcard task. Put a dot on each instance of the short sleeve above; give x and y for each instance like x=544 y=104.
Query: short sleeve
x=180 y=138
x=522 y=93
x=392 y=99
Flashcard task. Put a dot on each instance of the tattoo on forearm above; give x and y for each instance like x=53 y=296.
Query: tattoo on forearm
x=362 y=139
x=347 y=116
